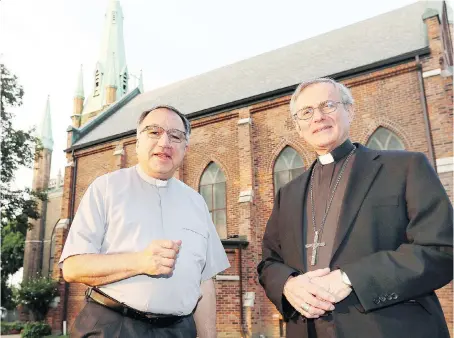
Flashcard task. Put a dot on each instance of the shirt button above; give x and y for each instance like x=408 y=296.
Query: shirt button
x=376 y=301
x=382 y=298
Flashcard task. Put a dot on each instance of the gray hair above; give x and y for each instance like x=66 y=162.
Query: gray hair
x=345 y=94
x=187 y=125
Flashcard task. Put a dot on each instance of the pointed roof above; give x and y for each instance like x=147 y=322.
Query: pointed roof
x=141 y=82
x=80 y=85
x=112 y=74
x=112 y=43
x=46 y=128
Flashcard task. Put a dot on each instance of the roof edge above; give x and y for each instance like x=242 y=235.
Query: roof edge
x=265 y=96
x=429 y=13
x=78 y=133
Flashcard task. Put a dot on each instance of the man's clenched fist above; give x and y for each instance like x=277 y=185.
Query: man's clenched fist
x=159 y=257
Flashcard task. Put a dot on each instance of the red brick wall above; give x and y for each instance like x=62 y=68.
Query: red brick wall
x=389 y=97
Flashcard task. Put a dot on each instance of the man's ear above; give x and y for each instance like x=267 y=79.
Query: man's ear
x=351 y=113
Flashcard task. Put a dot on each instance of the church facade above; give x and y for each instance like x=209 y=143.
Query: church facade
x=244 y=146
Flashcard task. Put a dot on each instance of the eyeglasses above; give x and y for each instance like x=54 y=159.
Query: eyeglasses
x=155 y=132
x=325 y=107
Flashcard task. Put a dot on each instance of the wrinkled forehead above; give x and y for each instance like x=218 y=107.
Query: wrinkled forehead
x=164 y=118
x=316 y=93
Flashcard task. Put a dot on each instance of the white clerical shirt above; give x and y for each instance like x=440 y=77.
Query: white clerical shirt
x=124 y=211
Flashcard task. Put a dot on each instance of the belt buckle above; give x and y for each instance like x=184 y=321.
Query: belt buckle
x=88 y=292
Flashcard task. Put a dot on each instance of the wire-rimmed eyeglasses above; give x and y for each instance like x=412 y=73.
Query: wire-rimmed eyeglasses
x=325 y=107
x=155 y=132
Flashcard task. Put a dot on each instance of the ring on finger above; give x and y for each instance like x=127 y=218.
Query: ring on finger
x=305 y=307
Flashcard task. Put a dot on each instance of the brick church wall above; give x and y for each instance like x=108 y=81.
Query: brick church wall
x=388 y=98
x=246 y=152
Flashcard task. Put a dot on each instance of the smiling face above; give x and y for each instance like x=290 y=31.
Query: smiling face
x=324 y=132
x=160 y=157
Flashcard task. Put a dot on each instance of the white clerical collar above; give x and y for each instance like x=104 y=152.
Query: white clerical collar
x=326 y=159
x=154 y=181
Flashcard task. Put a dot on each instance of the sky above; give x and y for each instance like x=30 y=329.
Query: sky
x=45 y=42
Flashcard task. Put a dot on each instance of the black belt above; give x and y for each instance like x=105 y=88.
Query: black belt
x=105 y=300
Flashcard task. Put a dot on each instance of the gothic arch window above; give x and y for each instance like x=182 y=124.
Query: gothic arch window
x=289 y=165
x=385 y=139
x=52 y=255
x=213 y=189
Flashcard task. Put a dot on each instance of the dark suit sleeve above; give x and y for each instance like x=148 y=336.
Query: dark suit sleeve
x=273 y=272
x=425 y=262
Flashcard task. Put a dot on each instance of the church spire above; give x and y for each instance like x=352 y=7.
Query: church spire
x=79 y=93
x=141 y=81
x=112 y=74
x=46 y=128
x=111 y=83
x=112 y=43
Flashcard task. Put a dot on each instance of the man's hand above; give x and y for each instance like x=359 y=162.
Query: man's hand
x=307 y=298
x=332 y=282
x=159 y=257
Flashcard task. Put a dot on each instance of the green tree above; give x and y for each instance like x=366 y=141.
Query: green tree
x=36 y=294
x=18 y=148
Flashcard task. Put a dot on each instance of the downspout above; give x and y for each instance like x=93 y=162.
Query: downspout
x=242 y=324
x=422 y=92
x=50 y=246
x=71 y=216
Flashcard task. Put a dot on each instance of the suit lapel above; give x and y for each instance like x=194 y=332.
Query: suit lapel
x=364 y=170
x=296 y=216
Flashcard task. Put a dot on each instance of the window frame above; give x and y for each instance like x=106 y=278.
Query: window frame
x=212 y=211
x=288 y=170
x=390 y=135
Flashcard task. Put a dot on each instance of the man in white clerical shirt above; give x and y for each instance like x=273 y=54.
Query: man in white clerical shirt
x=145 y=244
x=356 y=245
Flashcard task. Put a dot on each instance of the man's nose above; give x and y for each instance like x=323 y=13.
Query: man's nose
x=164 y=140
x=318 y=115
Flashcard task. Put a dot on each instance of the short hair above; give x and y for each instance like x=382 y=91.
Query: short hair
x=345 y=93
x=187 y=125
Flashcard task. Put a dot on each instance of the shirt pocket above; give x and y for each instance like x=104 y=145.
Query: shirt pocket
x=194 y=241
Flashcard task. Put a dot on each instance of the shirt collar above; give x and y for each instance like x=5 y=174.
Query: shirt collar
x=151 y=180
x=337 y=154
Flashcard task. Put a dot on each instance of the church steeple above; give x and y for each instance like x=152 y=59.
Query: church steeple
x=78 y=100
x=79 y=92
x=112 y=44
x=111 y=83
x=33 y=251
x=141 y=81
x=46 y=128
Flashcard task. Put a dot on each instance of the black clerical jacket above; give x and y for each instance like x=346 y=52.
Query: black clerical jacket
x=394 y=241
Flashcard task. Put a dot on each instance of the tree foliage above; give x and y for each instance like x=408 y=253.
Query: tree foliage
x=18 y=206
x=37 y=294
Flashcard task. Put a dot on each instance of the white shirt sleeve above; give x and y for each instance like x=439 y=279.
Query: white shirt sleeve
x=216 y=258
x=88 y=227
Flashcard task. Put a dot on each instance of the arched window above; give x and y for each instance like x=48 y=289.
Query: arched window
x=212 y=188
x=52 y=255
x=289 y=165
x=385 y=139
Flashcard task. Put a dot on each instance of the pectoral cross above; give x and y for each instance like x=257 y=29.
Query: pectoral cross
x=314 y=247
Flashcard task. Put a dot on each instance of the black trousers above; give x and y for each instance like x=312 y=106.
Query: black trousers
x=98 y=321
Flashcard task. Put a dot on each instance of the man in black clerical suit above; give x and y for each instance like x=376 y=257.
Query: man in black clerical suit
x=357 y=244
